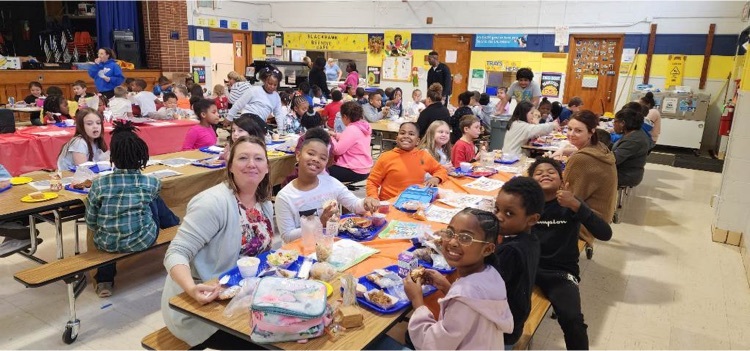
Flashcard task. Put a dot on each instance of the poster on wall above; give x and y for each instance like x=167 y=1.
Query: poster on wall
x=675 y=70
x=373 y=76
x=397 y=68
x=326 y=41
x=477 y=79
x=501 y=66
x=273 y=44
x=199 y=74
x=551 y=84
x=375 y=44
x=500 y=40
x=397 y=43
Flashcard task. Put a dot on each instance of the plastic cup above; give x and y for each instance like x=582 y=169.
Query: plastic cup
x=378 y=219
x=70 y=122
x=248 y=266
x=385 y=207
x=465 y=166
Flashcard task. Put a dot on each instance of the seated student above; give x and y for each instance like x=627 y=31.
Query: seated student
x=163 y=85
x=502 y=108
x=333 y=107
x=434 y=111
x=79 y=89
x=520 y=128
x=103 y=102
x=518 y=206
x=351 y=93
x=87 y=144
x=35 y=89
x=145 y=100
x=245 y=125
x=202 y=134
x=632 y=149
x=125 y=226
x=416 y=106
x=351 y=148
x=463 y=150
x=196 y=94
x=574 y=105
x=301 y=116
x=652 y=117
x=395 y=104
x=437 y=141
x=403 y=166
x=170 y=109
x=308 y=193
x=545 y=109
x=312 y=133
x=220 y=97
x=183 y=97
x=56 y=109
x=361 y=96
x=463 y=110
x=128 y=84
x=558 y=274
x=372 y=109
x=474 y=313
x=119 y=104
x=318 y=100
x=304 y=90
x=484 y=110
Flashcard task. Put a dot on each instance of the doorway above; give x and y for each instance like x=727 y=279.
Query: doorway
x=454 y=50
x=242 y=51
x=593 y=69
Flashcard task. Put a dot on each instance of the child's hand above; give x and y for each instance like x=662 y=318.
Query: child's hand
x=413 y=292
x=204 y=293
x=434 y=278
x=371 y=204
x=566 y=199
x=328 y=212
x=434 y=181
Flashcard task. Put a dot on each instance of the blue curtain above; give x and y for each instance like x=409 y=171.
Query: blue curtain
x=116 y=15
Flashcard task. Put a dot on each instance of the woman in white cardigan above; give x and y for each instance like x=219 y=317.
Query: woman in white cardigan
x=222 y=223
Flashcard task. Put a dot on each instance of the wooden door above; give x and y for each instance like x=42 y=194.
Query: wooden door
x=444 y=44
x=593 y=68
x=239 y=52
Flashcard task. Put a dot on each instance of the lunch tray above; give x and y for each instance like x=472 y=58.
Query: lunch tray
x=398 y=306
x=235 y=277
x=428 y=265
x=472 y=174
x=508 y=161
x=63 y=125
x=70 y=188
x=6 y=188
x=373 y=229
x=94 y=168
x=425 y=195
x=199 y=164
x=207 y=150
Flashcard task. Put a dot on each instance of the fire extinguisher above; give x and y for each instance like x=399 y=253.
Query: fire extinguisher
x=726 y=120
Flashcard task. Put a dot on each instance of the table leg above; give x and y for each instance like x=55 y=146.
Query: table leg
x=58 y=234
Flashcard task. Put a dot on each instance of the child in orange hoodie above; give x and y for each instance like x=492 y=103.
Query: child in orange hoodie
x=405 y=165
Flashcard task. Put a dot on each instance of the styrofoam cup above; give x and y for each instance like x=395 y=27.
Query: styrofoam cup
x=248 y=266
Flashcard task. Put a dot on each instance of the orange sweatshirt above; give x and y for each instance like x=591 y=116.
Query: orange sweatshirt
x=183 y=103
x=395 y=170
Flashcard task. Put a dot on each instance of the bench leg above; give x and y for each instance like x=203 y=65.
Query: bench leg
x=58 y=234
x=71 y=327
x=75 y=230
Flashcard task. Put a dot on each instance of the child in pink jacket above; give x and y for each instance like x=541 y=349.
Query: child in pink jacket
x=351 y=148
x=474 y=314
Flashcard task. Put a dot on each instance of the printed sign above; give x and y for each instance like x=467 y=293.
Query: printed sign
x=373 y=76
x=501 y=66
x=500 y=40
x=669 y=105
x=199 y=74
x=675 y=70
x=551 y=84
x=326 y=41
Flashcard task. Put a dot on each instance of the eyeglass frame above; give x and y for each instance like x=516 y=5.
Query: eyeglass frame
x=458 y=238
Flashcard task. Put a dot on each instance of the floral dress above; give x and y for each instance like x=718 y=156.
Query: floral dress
x=257 y=232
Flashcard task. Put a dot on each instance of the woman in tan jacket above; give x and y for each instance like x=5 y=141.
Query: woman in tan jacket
x=591 y=173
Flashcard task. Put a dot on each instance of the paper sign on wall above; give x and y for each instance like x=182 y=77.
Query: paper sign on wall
x=669 y=105
x=234 y=24
x=451 y=56
x=675 y=70
x=199 y=34
x=199 y=74
x=373 y=76
x=561 y=36
x=551 y=84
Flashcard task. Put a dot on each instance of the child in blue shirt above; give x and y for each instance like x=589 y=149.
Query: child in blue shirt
x=124 y=208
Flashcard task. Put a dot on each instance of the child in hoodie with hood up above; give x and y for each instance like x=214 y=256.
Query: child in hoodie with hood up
x=351 y=148
x=474 y=314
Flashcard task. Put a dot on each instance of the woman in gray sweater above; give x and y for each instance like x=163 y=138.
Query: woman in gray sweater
x=222 y=223
x=631 y=150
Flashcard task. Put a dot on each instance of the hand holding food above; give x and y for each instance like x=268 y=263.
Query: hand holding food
x=434 y=181
x=434 y=278
x=204 y=293
x=371 y=204
x=417 y=275
x=413 y=292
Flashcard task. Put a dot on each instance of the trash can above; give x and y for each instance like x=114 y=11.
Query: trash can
x=497 y=131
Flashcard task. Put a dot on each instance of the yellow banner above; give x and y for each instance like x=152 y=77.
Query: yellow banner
x=325 y=41
x=675 y=70
x=501 y=66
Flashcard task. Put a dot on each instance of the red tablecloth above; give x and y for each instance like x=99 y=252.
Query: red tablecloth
x=35 y=148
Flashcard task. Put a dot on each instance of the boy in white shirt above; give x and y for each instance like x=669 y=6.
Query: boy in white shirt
x=146 y=100
x=119 y=104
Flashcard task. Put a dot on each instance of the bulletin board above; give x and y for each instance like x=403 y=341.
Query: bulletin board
x=396 y=68
x=274 y=44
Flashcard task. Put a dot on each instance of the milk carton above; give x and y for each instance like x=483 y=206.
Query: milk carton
x=406 y=262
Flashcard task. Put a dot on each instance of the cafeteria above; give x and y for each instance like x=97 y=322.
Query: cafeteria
x=398 y=175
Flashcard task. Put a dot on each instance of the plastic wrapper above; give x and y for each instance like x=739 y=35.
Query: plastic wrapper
x=322 y=271
x=82 y=174
x=244 y=299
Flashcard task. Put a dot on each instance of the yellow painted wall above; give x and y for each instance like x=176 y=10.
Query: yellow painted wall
x=199 y=48
x=259 y=51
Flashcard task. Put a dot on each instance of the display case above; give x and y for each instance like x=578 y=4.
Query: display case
x=683 y=117
x=294 y=72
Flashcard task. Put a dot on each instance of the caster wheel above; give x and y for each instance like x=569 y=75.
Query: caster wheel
x=71 y=332
x=589 y=252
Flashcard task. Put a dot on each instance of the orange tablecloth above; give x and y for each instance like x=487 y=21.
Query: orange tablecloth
x=27 y=150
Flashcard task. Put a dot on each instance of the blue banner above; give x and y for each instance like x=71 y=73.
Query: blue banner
x=500 y=40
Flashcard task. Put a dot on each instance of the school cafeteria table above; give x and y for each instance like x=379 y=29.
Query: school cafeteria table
x=19 y=110
x=375 y=324
x=36 y=148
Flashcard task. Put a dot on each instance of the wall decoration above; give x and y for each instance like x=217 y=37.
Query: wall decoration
x=199 y=74
x=398 y=43
x=373 y=76
x=551 y=84
x=675 y=70
x=397 y=68
x=500 y=40
x=502 y=66
x=274 y=44
x=375 y=44
x=326 y=41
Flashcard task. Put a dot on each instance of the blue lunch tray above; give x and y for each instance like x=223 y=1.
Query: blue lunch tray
x=372 y=229
x=400 y=305
x=70 y=188
x=198 y=164
x=206 y=150
x=425 y=195
x=428 y=265
x=235 y=277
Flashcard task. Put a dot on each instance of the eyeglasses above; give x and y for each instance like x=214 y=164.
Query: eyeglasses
x=463 y=238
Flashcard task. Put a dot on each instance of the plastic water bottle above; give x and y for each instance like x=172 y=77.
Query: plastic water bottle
x=332 y=226
x=486 y=158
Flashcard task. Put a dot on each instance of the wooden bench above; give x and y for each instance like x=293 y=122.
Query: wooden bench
x=162 y=339
x=73 y=269
x=539 y=307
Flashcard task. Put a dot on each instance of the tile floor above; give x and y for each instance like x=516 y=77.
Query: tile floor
x=660 y=283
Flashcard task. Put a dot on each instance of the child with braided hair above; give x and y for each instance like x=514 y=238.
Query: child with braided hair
x=125 y=210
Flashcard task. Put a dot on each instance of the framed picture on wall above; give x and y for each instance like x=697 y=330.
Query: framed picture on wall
x=209 y=4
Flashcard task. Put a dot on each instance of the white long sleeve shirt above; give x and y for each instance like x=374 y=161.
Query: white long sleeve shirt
x=257 y=101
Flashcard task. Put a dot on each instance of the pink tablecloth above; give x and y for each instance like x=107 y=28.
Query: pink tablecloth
x=35 y=148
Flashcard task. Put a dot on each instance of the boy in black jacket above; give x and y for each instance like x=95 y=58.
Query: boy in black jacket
x=557 y=230
x=518 y=206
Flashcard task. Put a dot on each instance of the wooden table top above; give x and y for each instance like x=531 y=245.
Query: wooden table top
x=24 y=109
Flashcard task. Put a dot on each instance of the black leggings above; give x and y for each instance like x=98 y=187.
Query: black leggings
x=346 y=175
x=561 y=288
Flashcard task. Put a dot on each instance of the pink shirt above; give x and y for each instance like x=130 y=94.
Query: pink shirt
x=352 y=80
x=199 y=136
x=352 y=149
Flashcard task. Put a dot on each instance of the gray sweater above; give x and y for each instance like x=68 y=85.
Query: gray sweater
x=208 y=242
x=630 y=154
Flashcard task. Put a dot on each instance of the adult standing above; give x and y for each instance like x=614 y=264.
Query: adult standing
x=523 y=89
x=261 y=100
x=441 y=74
x=351 y=148
x=333 y=71
x=106 y=73
x=237 y=86
x=222 y=223
x=317 y=76
x=352 y=77
x=434 y=111
x=591 y=173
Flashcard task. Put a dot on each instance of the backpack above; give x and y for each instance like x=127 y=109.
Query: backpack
x=288 y=310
